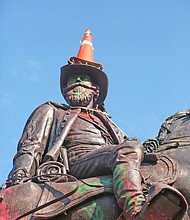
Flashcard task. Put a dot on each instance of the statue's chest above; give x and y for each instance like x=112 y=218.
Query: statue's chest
x=85 y=131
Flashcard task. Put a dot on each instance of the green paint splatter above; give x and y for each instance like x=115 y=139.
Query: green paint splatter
x=84 y=187
x=99 y=214
x=94 y=211
x=107 y=181
x=95 y=183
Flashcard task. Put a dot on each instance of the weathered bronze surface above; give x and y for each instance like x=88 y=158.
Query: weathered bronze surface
x=73 y=162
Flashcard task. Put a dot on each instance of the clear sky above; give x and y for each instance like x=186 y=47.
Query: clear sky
x=143 y=45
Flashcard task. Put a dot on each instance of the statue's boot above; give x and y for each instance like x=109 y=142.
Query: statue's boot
x=127 y=183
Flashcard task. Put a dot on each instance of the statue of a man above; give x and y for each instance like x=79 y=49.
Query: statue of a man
x=81 y=135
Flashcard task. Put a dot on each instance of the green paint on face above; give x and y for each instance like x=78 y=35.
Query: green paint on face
x=79 y=78
x=80 y=90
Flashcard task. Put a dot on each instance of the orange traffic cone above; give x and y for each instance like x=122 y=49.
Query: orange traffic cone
x=86 y=52
x=86 y=48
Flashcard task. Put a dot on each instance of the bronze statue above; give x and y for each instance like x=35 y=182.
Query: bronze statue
x=69 y=156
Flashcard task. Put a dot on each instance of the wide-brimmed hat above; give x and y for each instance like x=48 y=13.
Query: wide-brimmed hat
x=84 y=63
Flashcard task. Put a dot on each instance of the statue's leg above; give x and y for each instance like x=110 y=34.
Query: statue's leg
x=127 y=177
x=163 y=202
x=95 y=163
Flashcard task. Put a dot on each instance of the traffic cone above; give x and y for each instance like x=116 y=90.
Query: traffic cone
x=86 y=49
x=86 y=52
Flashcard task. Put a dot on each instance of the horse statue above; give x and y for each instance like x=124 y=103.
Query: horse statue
x=166 y=161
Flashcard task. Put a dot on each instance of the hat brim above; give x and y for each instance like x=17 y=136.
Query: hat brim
x=96 y=75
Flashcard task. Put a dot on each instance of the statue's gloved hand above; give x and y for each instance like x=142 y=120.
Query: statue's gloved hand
x=19 y=177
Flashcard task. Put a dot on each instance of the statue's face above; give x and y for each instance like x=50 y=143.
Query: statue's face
x=80 y=91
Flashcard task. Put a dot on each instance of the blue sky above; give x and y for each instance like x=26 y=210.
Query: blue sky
x=143 y=45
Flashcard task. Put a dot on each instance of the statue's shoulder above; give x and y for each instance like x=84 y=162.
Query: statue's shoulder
x=53 y=105
x=48 y=108
x=57 y=105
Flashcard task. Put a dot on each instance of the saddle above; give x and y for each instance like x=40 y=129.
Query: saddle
x=14 y=199
x=87 y=188
x=44 y=201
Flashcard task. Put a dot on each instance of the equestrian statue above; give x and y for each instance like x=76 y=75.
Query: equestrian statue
x=74 y=163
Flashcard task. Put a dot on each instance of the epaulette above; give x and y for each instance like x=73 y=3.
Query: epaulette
x=58 y=105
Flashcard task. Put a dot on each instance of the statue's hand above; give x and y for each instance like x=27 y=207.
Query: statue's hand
x=19 y=177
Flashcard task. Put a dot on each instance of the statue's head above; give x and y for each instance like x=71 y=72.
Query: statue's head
x=83 y=83
x=81 y=91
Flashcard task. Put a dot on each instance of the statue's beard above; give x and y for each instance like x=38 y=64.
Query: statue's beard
x=79 y=96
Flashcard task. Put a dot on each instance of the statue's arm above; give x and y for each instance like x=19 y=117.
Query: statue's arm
x=32 y=144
